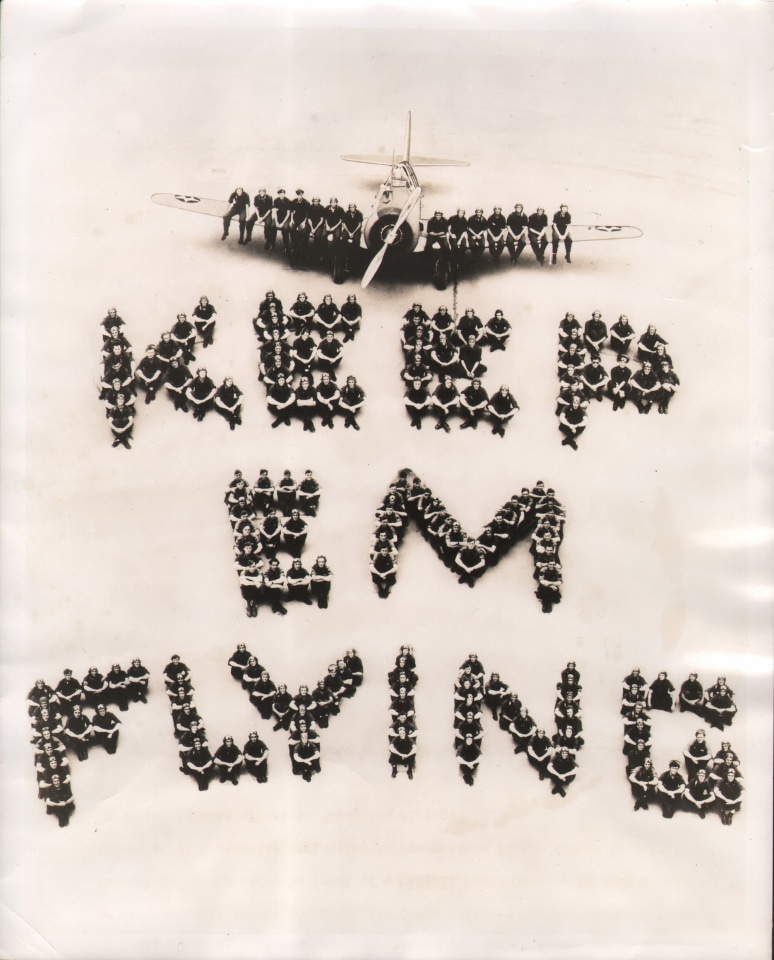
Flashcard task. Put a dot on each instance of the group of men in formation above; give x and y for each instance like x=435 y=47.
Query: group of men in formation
x=313 y=231
x=61 y=724
x=536 y=513
x=300 y=360
x=713 y=780
x=196 y=761
x=452 y=351
x=553 y=757
x=497 y=232
x=164 y=366
x=302 y=716
x=301 y=352
x=266 y=519
x=309 y=231
x=583 y=377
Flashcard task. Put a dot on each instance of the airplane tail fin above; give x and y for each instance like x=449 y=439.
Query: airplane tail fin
x=384 y=160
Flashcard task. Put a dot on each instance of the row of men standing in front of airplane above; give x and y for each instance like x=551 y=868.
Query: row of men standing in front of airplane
x=455 y=234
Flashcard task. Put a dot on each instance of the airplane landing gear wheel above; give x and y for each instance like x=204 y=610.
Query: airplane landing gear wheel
x=441 y=272
x=339 y=268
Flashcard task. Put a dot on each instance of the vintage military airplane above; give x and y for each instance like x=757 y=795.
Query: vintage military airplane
x=395 y=226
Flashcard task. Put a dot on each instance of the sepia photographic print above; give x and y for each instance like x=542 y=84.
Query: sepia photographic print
x=386 y=480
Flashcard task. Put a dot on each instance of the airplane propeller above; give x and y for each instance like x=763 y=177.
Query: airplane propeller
x=374 y=265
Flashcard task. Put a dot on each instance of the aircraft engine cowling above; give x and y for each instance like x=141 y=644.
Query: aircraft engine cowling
x=377 y=229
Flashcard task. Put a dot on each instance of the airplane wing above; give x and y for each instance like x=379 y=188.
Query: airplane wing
x=437 y=162
x=379 y=159
x=585 y=231
x=183 y=201
x=387 y=160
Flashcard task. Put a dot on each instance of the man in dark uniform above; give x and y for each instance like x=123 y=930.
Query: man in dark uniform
x=352 y=229
x=121 y=423
x=204 y=320
x=594 y=378
x=497 y=331
x=316 y=220
x=496 y=229
x=227 y=402
x=280 y=399
x=198 y=764
x=306 y=757
x=537 y=224
x=572 y=422
x=150 y=373
x=618 y=383
x=669 y=383
x=105 y=726
x=383 y=572
x=175 y=672
x=263 y=204
x=228 y=759
x=417 y=402
x=59 y=800
x=670 y=788
x=692 y=695
x=458 y=233
x=239 y=202
x=474 y=400
x=78 y=732
x=437 y=231
x=176 y=381
x=69 y=691
x=539 y=752
x=327 y=399
x=351 y=399
x=549 y=586
x=644 y=387
x=256 y=757
x=299 y=225
x=274 y=586
x=294 y=533
x=502 y=406
x=562 y=769
x=468 y=754
x=201 y=392
x=333 y=220
x=321 y=577
x=281 y=215
x=518 y=232
x=403 y=752
x=183 y=333
x=446 y=398
x=308 y=495
x=263 y=491
x=477 y=227
x=470 y=562
x=561 y=232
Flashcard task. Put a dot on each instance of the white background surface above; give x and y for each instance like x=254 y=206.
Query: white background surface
x=650 y=119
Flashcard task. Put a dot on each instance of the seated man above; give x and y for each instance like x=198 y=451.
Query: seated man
x=306 y=757
x=198 y=763
x=670 y=789
x=562 y=769
x=403 y=752
x=474 y=400
x=256 y=758
x=228 y=760
x=59 y=800
x=468 y=754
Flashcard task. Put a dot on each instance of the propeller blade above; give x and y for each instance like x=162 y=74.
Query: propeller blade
x=374 y=265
